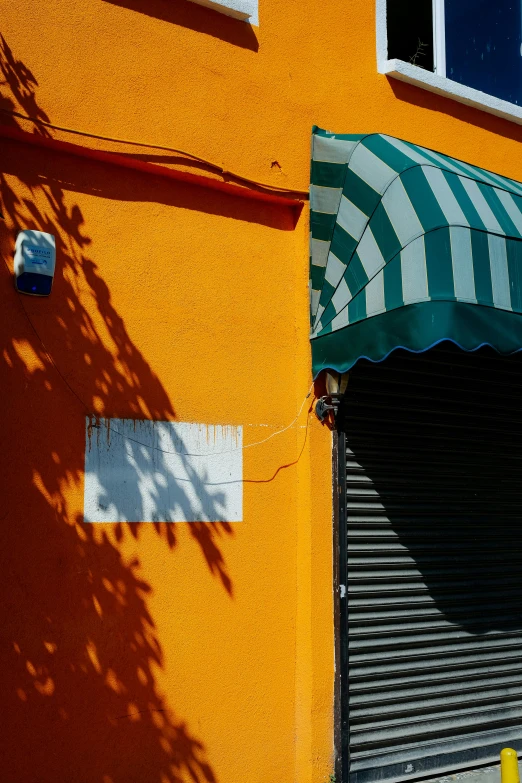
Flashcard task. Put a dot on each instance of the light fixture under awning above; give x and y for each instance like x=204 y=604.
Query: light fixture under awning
x=408 y=248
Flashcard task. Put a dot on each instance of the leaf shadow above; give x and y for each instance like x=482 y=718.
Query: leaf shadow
x=81 y=650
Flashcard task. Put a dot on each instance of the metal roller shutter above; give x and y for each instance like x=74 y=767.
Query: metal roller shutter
x=434 y=562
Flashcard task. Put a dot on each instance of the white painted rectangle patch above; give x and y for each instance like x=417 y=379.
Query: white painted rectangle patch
x=162 y=471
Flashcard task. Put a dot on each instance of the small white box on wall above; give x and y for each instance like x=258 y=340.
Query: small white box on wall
x=34 y=262
x=150 y=471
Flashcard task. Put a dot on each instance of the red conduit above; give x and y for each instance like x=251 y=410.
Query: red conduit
x=114 y=158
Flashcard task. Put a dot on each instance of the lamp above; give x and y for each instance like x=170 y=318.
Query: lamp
x=336 y=384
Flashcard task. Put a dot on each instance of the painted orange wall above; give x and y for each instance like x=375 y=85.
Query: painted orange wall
x=154 y=652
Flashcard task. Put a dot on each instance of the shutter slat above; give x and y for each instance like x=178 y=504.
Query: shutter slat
x=434 y=539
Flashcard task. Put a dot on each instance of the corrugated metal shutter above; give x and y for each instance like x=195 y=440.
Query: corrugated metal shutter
x=434 y=521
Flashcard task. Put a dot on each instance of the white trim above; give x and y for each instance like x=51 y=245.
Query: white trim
x=439 y=37
x=382 y=33
x=440 y=85
x=246 y=10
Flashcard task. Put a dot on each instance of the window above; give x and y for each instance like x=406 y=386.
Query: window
x=470 y=50
x=483 y=46
x=410 y=32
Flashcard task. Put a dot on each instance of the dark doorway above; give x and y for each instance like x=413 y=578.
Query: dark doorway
x=432 y=484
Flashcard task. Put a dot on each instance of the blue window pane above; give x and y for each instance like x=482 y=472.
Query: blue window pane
x=483 y=46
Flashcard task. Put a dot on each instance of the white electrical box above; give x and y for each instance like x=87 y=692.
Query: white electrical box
x=34 y=262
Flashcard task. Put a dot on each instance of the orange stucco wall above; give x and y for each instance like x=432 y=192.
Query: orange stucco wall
x=176 y=652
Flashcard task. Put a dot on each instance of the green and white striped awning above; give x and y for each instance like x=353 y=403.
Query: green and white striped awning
x=408 y=248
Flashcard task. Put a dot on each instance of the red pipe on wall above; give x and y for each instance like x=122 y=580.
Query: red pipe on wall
x=116 y=159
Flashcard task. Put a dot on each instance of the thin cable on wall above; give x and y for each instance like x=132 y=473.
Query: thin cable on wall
x=110 y=429
x=216 y=167
x=206 y=454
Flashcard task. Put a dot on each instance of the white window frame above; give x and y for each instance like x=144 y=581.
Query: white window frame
x=437 y=81
x=439 y=37
x=245 y=10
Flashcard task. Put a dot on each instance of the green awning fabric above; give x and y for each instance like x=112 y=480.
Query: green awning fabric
x=408 y=248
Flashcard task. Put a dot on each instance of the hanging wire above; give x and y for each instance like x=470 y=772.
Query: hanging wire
x=111 y=429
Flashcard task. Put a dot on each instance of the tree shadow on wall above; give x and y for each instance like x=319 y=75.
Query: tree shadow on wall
x=65 y=172
x=80 y=649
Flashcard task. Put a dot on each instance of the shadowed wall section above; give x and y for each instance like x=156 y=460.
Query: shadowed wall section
x=147 y=650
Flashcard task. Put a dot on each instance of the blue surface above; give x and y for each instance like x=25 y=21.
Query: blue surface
x=483 y=40
x=34 y=284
